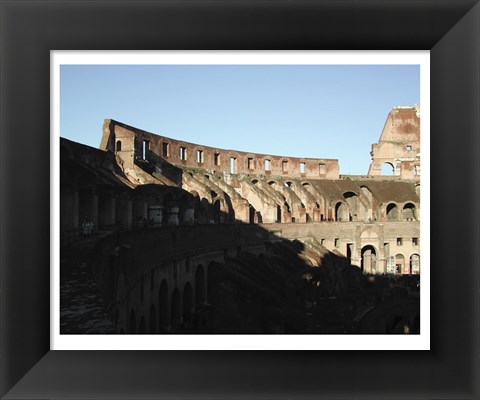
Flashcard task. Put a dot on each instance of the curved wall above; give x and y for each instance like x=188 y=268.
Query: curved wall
x=193 y=155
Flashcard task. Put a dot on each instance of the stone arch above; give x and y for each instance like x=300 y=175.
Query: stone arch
x=391 y=212
x=175 y=310
x=414 y=264
x=163 y=306
x=355 y=212
x=367 y=193
x=132 y=323
x=187 y=302
x=251 y=214
x=341 y=211
x=200 y=287
x=368 y=259
x=319 y=200
x=274 y=185
x=118 y=146
x=152 y=320
x=388 y=169
x=399 y=263
x=409 y=212
x=279 y=214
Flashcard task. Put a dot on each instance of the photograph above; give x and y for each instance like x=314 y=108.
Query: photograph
x=240 y=199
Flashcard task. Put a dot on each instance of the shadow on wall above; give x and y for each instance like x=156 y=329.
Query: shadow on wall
x=231 y=278
x=158 y=167
x=160 y=260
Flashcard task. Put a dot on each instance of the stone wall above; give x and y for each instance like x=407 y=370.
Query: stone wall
x=132 y=144
x=399 y=144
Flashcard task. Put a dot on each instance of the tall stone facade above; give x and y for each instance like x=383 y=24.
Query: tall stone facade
x=399 y=144
x=229 y=186
x=178 y=211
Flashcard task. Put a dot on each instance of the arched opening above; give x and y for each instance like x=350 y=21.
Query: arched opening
x=392 y=212
x=175 y=311
x=279 y=214
x=367 y=193
x=142 y=327
x=400 y=264
x=163 y=306
x=199 y=287
x=408 y=212
x=132 y=323
x=152 y=320
x=368 y=263
x=118 y=146
x=251 y=214
x=353 y=206
x=388 y=169
x=187 y=302
x=415 y=264
x=341 y=211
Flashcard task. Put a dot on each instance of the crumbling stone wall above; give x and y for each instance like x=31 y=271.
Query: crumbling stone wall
x=399 y=144
x=136 y=144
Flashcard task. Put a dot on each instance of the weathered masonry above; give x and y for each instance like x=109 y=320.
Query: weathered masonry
x=184 y=209
x=136 y=162
x=132 y=145
x=399 y=146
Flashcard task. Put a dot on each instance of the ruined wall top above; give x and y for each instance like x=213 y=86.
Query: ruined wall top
x=132 y=144
x=399 y=144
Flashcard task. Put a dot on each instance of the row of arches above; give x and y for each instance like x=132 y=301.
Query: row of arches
x=407 y=213
x=394 y=264
x=302 y=202
x=175 y=308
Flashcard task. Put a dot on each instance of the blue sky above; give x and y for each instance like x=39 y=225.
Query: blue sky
x=320 y=111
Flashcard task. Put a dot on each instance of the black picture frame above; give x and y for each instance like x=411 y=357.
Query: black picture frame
x=30 y=29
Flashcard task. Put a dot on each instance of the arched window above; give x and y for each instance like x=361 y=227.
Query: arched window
x=368 y=262
x=392 y=212
x=409 y=212
x=387 y=169
x=119 y=145
x=415 y=264
x=400 y=264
